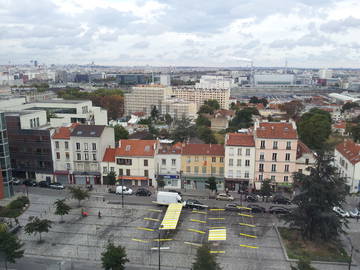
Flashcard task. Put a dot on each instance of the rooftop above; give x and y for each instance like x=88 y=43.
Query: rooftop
x=88 y=131
x=302 y=149
x=204 y=149
x=350 y=150
x=63 y=133
x=109 y=155
x=169 y=149
x=240 y=139
x=276 y=130
x=139 y=148
x=60 y=101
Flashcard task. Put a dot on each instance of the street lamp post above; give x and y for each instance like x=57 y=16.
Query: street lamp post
x=351 y=252
x=122 y=192
x=159 y=244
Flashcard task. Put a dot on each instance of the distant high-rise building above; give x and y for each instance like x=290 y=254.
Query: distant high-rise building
x=215 y=82
x=325 y=73
x=35 y=63
x=165 y=80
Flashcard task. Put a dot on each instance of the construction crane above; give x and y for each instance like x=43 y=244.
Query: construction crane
x=252 y=71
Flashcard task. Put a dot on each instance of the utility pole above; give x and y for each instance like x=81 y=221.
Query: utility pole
x=122 y=192
x=159 y=244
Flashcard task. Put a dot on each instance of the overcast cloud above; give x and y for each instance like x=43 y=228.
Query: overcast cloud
x=308 y=33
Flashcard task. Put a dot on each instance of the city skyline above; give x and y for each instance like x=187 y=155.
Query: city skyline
x=302 y=33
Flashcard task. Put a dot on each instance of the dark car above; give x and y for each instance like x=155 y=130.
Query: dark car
x=236 y=207
x=43 y=184
x=30 y=183
x=255 y=208
x=175 y=191
x=143 y=192
x=251 y=198
x=194 y=204
x=278 y=210
x=279 y=199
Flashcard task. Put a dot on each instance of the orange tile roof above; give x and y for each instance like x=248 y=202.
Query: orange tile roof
x=202 y=149
x=350 y=150
x=240 y=139
x=341 y=124
x=109 y=155
x=168 y=149
x=276 y=130
x=63 y=133
x=137 y=148
x=302 y=149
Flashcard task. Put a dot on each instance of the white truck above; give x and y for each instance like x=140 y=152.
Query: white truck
x=164 y=198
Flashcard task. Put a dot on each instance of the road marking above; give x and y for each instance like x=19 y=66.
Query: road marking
x=145 y=229
x=243 y=207
x=248 y=246
x=154 y=210
x=197 y=231
x=162 y=240
x=152 y=219
x=216 y=218
x=249 y=225
x=156 y=248
x=217 y=227
x=248 y=235
x=217 y=235
x=217 y=251
x=199 y=212
x=139 y=240
x=193 y=244
x=245 y=215
x=199 y=221
x=217 y=209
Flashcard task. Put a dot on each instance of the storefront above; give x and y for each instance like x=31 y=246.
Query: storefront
x=139 y=181
x=237 y=184
x=62 y=177
x=171 y=181
x=199 y=183
x=86 y=178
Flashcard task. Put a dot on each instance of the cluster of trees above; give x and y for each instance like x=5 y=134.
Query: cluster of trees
x=256 y=100
x=292 y=108
x=243 y=119
x=348 y=106
x=209 y=106
x=110 y=99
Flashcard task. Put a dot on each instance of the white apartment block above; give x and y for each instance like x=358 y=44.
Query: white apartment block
x=178 y=108
x=305 y=158
x=347 y=161
x=215 y=82
x=239 y=161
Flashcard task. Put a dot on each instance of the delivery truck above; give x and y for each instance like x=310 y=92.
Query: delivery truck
x=164 y=198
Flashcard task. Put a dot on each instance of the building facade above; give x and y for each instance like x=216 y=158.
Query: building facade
x=305 y=158
x=6 y=187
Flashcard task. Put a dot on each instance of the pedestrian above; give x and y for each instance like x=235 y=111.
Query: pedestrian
x=99 y=214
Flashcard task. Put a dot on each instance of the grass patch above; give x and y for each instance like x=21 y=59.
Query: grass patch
x=297 y=248
x=15 y=208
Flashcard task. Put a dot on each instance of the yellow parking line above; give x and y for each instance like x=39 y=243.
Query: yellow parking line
x=145 y=229
x=248 y=235
x=152 y=219
x=249 y=225
x=196 y=220
x=197 y=231
x=199 y=212
x=193 y=244
x=154 y=210
x=217 y=209
x=216 y=218
x=243 y=207
x=248 y=246
x=139 y=240
x=162 y=240
x=217 y=227
x=217 y=251
x=245 y=215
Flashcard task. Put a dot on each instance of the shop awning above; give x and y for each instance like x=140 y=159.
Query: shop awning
x=133 y=178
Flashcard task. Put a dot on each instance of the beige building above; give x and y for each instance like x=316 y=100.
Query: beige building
x=178 y=108
x=305 y=158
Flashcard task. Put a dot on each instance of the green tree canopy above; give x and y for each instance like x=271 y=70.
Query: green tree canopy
x=256 y=100
x=243 y=118
x=317 y=194
x=168 y=119
x=211 y=183
x=10 y=248
x=213 y=103
x=292 y=108
x=78 y=193
x=111 y=178
x=114 y=257
x=183 y=130
x=204 y=133
x=160 y=183
x=354 y=131
x=206 y=109
x=349 y=105
x=205 y=260
x=155 y=113
x=265 y=188
x=203 y=121
x=36 y=225
x=120 y=133
x=61 y=208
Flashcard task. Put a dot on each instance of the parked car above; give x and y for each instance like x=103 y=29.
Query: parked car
x=255 y=208
x=235 y=207
x=30 y=183
x=251 y=198
x=341 y=212
x=175 y=191
x=278 y=210
x=224 y=197
x=123 y=190
x=43 y=184
x=279 y=199
x=354 y=213
x=56 y=186
x=143 y=192
x=16 y=181
x=194 y=204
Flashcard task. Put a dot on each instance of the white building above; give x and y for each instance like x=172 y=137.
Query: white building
x=215 y=82
x=347 y=160
x=274 y=79
x=178 y=108
x=305 y=158
x=165 y=80
x=239 y=160
x=325 y=73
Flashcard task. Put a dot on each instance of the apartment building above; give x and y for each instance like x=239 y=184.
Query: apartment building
x=305 y=158
x=239 y=161
x=89 y=143
x=201 y=161
x=200 y=95
x=178 y=108
x=347 y=160
x=215 y=81
x=133 y=162
x=6 y=188
x=168 y=164
x=275 y=152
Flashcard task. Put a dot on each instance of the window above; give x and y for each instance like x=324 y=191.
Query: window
x=275 y=145
x=66 y=145
x=286 y=168
x=261 y=167
x=196 y=158
x=173 y=162
x=274 y=156
x=68 y=166
x=94 y=156
x=124 y=161
x=57 y=155
x=246 y=175
x=346 y=165
x=231 y=162
x=146 y=163
x=307 y=161
x=146 y=173
x=128 y=172
x=230 y=173
x=77 y=146
x=238 y=174
x=104 y=169
x=67 y=155
x=239 y=162
x=287 y=156
x=188 y=160
x=273 y=167
x=163 y=161
x=86 y=146
x=213 y=170
x=262 y=144
x=93 y=146
x=262 y=156
x=273 y=178
x=247 y=163
x=288 y=145
x=248 y=152
x=231 y=151
x=196 y=169
x=57 y=145
x=78 y=156
x=261 y=177
x=188 y=169
x=239 y=151
x=300 y=170
x=204 y=170
x=286 y=178
x=221 y=159
x=121 y=172
x=213 y=159
x=221 y=170
x=204 y=158
x=111 y=169
x=86 y=156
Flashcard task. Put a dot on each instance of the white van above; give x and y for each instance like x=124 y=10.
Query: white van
x=123 y=190
x=164 y=198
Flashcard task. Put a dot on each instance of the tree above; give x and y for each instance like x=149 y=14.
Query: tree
x=206 y=109
x=160 y=183
x=317 y=194
x=303 y=264
x=243 y=118
x=78 y=194
x=36 y=225
x=292 y=108
x=203 y=121
x=213 y=103
x=265 y=188
x=205 y=260
x=61 y=208
x=183 y=131
x=256 y=100
x=114 y=257
x=348 y=106
x=206 y=134
x=111 y=178
x=168 y=119
x=154 y=113
x=120 y=133
x=211 y=183
x=354 y=131
x=10 y=248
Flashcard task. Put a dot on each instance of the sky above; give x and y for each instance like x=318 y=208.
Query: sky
x=305 y=33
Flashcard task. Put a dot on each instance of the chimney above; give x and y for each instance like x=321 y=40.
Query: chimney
x=119 y=143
